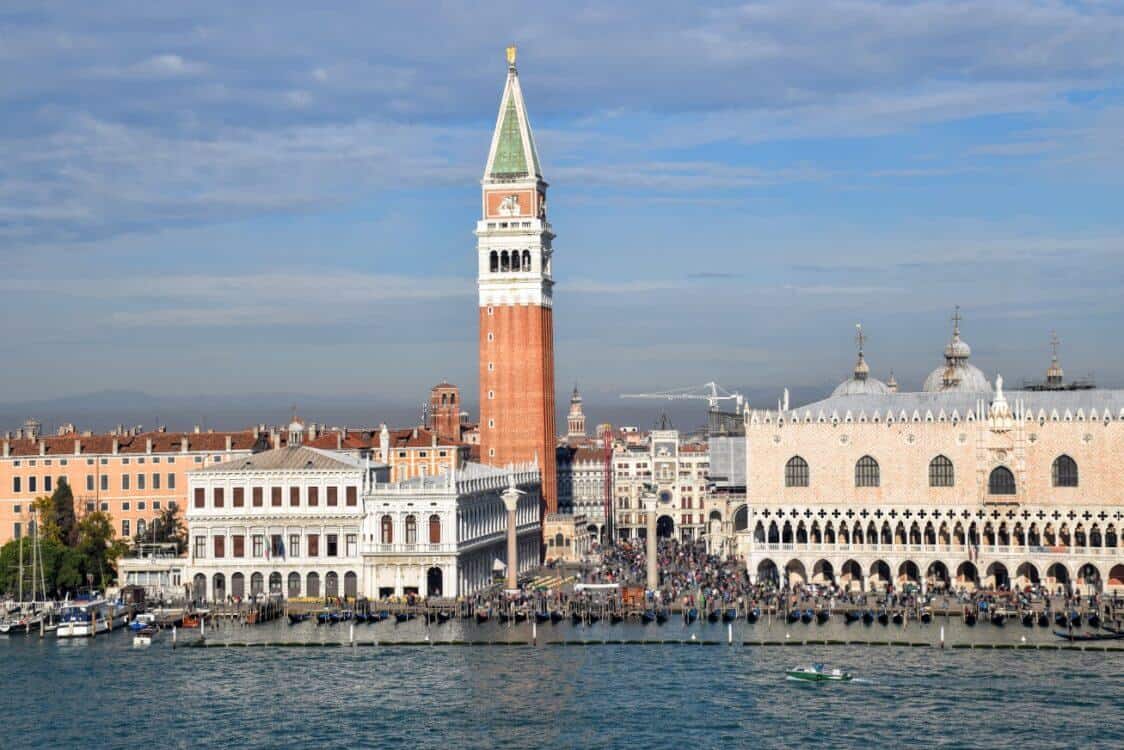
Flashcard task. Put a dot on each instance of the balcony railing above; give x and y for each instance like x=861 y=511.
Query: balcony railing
x=983 y=549
x=420 y=548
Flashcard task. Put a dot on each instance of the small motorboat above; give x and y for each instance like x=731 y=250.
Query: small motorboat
x=868 y=617
x=729 y=615
x=898 y=618
x=142 y=621
x=661 y=616
x=1043 y=620
x=692 y=615
x=753 y=615
x=883 y=618
x=822 y=616
x=144 y=636
x=851 y=616
x=1086 y=637
x=818 y=673
x=190 y=621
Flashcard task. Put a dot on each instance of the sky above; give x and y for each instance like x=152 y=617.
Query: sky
x=241 y=198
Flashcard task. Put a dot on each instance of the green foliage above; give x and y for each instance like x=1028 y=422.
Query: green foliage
x=167 y=528
x=65 y=568
x=62 y=501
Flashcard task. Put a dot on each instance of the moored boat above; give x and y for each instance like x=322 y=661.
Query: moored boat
x=898 y=618
x=82 y=619
x=753 y=615
x=144 y=636
x=1043 y=620
x=926 y=616
x=883 y=618
x=729 y=615
x=868 y=617
x=822 y=616
x=851 y=616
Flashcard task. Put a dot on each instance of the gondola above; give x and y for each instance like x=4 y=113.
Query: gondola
x=851 y=616
x=1085 y=637
x=1028 y=619
x=614 y=618
x=793 y=616
x=692 y=615
x=575 y=618
x=647 y=617
x=593 y=618
x=361 y=617
x=402 y=617
x=555 y=617
x=970 y=618
x=883 y=618
x=481 y=618
x=295 y=617
x=442 y=617
x=822 y=616
x=753 y=615
x=1043 y=620
x=926 y=616
x=807 y=616
x=323 y=618
x=868 y=617
x=521 y=616
x=541 y=617
x=1059 y=619
x=1075 y=618
x=998 y=619
x=661 y=616
x=712 y=616
x=1094 y=620
x=898 y=618
x=384 y=615
x=505 y=617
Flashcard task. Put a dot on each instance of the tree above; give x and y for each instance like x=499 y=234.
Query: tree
x=62 y=501
x=167 y=528
x=98 y=547
x=46 y=525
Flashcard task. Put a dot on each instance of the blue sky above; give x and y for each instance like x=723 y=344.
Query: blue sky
x=239 y=197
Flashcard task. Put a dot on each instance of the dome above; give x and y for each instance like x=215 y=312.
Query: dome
x=861 y=387
x=957 y=375
x=957 y=348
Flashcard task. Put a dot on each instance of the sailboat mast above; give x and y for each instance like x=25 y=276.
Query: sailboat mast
x=34 y=547
x=21 y=570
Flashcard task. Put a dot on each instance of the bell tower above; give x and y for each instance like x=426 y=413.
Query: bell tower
x=513 y=243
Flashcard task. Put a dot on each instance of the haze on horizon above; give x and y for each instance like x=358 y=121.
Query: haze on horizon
x=206 y=199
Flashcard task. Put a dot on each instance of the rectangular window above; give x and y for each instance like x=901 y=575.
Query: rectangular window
x=257 y=500
x=155 y=481
x=125 y=527
x=156 y=459
x=313 y=497
x=200 y=547
x=238 y=545
x=259 y=545
x=171 y=481
x=124 y=482
x=333 y=545
x=199 y=497
x=89 y=483
x=275 y=497
x=105 y=483
x=239 y=497
x=16 y=484
x=220 y=497
x=352 y=545
x=276 y=546
x=352 y=495
x=31 y=484
x=17 y=530
x=47 y=484
x=140 y=481
x=140 y=505
x=105 y=507
x=333 y=498
x=220 y=546
x=294 y=497
x=294 y=545
x=313 y=545
x=156 y=505
x=125 y=505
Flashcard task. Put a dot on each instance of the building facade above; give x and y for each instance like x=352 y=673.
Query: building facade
x=515 y=279
x=583 y=489
x=677 y=472
x=952 y=488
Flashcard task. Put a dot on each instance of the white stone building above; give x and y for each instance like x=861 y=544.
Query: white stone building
x=446 y=535
x=676 y=471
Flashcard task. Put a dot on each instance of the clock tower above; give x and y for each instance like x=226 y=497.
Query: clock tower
x=513 y=243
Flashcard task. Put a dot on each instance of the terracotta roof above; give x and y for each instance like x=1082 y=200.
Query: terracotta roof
x=399 y=438
x=162 y=442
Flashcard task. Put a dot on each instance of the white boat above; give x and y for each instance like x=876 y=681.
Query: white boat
x=143 y=637
x=80 y=619
x=817 y=673
x=142 y=621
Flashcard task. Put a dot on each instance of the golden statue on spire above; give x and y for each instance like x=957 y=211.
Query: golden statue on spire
x=511 y=56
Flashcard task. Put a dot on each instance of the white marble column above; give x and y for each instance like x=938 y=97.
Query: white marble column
x=511 y=503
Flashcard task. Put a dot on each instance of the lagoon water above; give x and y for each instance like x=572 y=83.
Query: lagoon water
x=103 y=693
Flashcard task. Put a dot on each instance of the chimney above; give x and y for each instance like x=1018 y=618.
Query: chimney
x=115 y=446
x=415 y=433
x=7 y=447
x=434 y=437
x=42 y=447
x=196 y=429
x=184 y=444
x=339 y=440
x=148 y=445
x=229 y=443
x=276 y=436
x=257 y=432
x=78 y=447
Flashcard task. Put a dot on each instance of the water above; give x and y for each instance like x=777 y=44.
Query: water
x=104 y=693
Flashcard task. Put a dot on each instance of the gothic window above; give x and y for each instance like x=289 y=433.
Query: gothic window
x=1064 y=471
x=494 y=261
x=505 y=261
x=1001 y=481
x=866 y=472
x=796 y=472
x=940 y=472
x=526 y=260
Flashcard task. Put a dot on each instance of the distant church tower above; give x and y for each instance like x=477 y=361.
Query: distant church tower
x=575 y=421
x=517 y=420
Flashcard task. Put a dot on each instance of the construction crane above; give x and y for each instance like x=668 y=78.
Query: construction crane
x=710 y=392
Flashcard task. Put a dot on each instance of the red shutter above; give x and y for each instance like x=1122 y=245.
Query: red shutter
x=239 y=545
x=257 y=497
x=199 y=502
x=352 y=495
x=219 y=500
x=239 y=497
x=313 y=496
x=294 y=496
x=220 y=546
x=333 y=498
x=275 y=497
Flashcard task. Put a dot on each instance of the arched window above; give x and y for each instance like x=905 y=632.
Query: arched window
x=141 y=528
x=526 y=260
x=312 y=586
x=940 y=472
x=435 y=529
x=1001 y=481
x=559 y=539
x=1064 y=471
x=505 y=262
x=494 y=261
x=387 y=524
x=411 y=530
x=866 y=472
x=796 y=472
x=294 y=585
